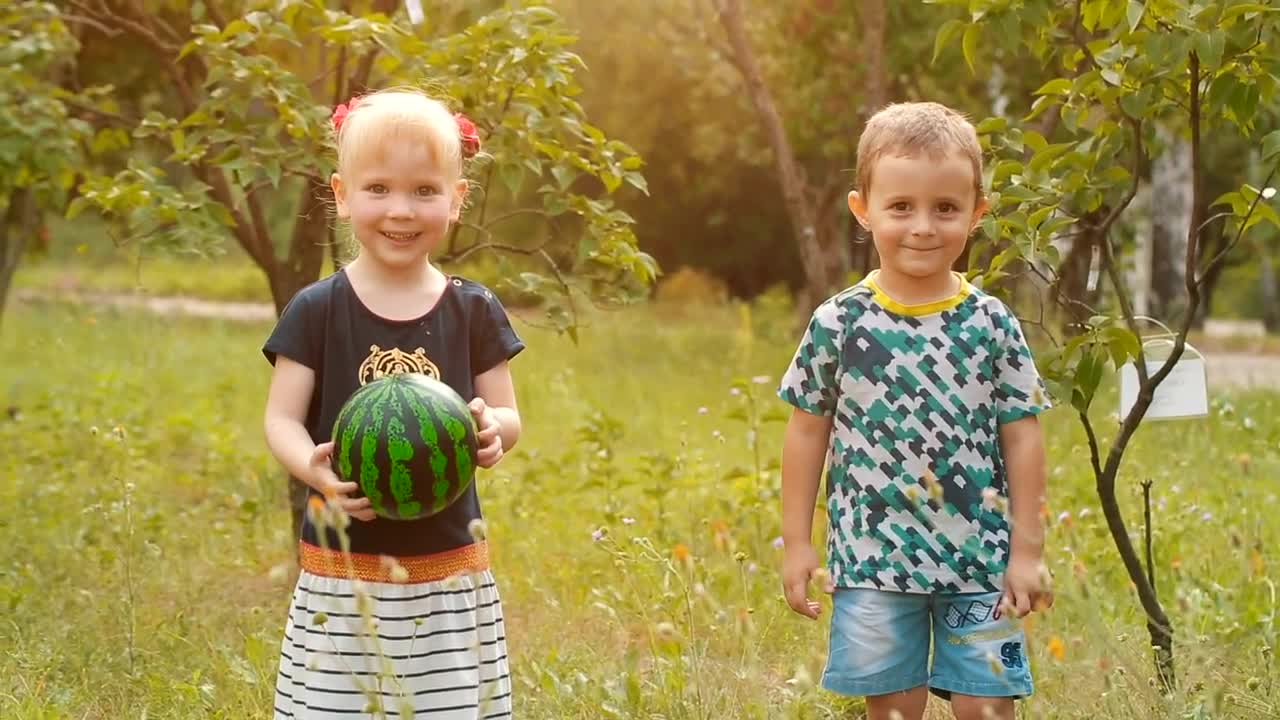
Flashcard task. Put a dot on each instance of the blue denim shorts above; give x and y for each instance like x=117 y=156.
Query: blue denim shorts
x=880 y=644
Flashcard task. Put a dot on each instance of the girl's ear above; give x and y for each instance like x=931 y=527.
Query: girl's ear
x=459 y=196
x=339 y=196
x=858 y=206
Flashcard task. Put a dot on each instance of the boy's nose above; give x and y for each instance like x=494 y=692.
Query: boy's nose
x=922 y=225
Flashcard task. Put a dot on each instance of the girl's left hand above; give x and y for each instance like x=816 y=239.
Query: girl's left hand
x=489 y=435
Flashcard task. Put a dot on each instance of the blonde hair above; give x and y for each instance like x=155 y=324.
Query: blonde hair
x=399 y=114
x=912 y=128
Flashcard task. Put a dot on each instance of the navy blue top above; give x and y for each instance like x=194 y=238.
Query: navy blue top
x=327 y=328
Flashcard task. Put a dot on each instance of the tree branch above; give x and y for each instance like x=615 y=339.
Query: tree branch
x=1221 y=256
x=1113 y=269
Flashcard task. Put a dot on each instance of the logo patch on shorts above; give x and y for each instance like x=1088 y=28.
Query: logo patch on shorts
x=976 y=613
x=1011 y=654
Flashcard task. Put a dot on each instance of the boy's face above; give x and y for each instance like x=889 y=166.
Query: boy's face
x=920 y=212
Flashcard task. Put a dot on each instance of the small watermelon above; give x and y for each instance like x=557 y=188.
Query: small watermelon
x=409 y=441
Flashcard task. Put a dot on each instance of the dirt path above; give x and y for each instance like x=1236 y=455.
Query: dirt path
x=1225 y=369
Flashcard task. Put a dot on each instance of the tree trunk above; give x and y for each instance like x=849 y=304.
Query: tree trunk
x=311 y=235
x=1270 y=289
x=19 y=223
x=1171 y=184
x=800 y=210
x=1071 y=292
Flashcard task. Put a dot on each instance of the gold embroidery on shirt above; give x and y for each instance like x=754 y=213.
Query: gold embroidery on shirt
x=395 y=361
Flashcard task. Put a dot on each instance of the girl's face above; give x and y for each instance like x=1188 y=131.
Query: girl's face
x=399 y=202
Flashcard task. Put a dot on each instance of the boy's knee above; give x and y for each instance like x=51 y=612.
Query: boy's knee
x=970 y=707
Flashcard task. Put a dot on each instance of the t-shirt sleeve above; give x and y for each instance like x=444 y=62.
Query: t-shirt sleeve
x=1020 y=390
x=493 y=340
x=296 y=333
x=811 y=381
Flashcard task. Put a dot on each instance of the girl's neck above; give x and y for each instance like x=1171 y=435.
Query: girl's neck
x=412 y=277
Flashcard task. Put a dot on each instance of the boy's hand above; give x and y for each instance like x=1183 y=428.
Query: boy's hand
x=324 y=480
x=1026 y=587
x=799 y=565
x=488 y=435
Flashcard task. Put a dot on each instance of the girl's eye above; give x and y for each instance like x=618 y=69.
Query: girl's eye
x=901 y=207
x=427 y=190
x=377 y=188
x=947 y=208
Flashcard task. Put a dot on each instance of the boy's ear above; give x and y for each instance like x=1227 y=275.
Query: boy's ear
x=979 y=210
x=858 y=206
x=459 y=196
x=335 y=184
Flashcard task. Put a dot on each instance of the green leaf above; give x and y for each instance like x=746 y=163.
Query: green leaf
x=969 y=44
x=1210 y=46
x=1034 y=140
x=1137 y=8
x=1236 y=11
x=1231 y=198
x=1057 y=86
x=1271 y=145
x=77 y=206
x=992 y=125
x=564 y=176
x=944 y=37
x=1122 y=343
x=512 y=176
x=1038 y=217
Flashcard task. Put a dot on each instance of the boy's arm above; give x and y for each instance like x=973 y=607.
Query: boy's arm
x=804 y=452
x=1022 y=446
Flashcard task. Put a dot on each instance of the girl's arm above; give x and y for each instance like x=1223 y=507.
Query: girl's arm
x=498 y=392
x=283 y=422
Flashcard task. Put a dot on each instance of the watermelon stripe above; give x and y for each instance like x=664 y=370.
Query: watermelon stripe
x=439 y=461
x=400 y=451
x=458 y=432
x=370 y=475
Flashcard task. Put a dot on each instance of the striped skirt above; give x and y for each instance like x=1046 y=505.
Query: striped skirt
x=428 y=649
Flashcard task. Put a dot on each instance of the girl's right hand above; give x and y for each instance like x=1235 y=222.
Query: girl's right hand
x=325 y=481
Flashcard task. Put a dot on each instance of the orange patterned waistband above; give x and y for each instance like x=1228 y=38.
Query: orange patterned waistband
x=385 y=568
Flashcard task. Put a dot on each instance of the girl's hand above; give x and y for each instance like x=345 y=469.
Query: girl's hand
x=489 y=435
x=327 y=483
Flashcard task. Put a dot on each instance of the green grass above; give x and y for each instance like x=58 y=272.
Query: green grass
x=146 y=564
x=231 y=278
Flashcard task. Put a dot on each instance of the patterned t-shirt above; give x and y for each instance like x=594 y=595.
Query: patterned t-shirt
x=917 y=394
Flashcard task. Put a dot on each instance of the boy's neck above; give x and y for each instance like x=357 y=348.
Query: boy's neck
x=912 y=290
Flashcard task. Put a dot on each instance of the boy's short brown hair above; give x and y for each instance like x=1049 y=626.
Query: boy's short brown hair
x=912 y=128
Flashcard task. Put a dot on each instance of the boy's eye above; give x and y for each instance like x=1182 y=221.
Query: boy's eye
x=428 y=190
x=947 y=207
x=900 y=206
x=377 y=188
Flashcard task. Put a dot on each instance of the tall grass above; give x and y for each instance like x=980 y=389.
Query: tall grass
x=147 y=565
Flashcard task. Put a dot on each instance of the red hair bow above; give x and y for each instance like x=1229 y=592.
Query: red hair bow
x=469 y=135
x=341 y=112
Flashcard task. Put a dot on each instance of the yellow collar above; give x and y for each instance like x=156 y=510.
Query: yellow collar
x=928 y=308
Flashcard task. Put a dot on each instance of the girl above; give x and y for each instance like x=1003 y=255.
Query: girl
x=439 y=648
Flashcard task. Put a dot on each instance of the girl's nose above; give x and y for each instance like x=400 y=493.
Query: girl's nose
x=400 y=207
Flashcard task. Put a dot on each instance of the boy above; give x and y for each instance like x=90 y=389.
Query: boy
x=922 y=392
